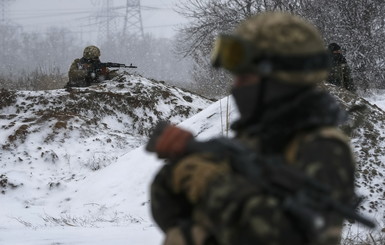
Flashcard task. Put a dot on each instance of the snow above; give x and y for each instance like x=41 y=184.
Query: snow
x=79 y=190
x=83 y=236
x=378 y=98
x=60 y=201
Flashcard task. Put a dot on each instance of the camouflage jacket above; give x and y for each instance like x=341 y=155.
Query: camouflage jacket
x=81 y=74
x=340 y=74
x=234 y=211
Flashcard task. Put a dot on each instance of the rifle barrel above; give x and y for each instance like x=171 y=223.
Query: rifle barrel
x=113 y=65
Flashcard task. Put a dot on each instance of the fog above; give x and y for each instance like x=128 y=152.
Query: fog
x=45 y=36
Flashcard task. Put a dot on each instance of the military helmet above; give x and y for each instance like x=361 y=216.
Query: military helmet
x=278 y=45
x=334 y=47
x=91 y=52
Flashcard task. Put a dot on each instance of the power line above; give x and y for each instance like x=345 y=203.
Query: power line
x=108 y=19
x=25 y=15
x=51 y=10
x=163 y=26
x=40 y=16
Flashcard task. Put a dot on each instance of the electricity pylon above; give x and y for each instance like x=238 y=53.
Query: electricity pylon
x=106 y=20
x=4 y=8
x=133 y=24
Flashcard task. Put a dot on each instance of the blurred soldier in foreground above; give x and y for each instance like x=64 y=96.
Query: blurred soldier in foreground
x=88 y=69
x=340 y=71
x=203 y=196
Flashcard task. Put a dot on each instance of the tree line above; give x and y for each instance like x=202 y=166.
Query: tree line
x=357 y=25
x=41 y=60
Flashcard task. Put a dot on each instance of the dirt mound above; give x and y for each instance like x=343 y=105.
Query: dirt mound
x=366 y=127
x=84 y=129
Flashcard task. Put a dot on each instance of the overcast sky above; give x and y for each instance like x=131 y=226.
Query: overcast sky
x=80 y=16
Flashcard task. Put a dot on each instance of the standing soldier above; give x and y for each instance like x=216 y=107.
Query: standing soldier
x=340 y=71
x=198 y=198
x=86 y=71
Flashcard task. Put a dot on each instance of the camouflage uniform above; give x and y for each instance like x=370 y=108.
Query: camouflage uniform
x=340 y=74
x=235 y=212
x=83 y=72
x=293 y=124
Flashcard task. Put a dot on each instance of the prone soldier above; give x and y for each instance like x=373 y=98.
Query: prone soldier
x=89 y=70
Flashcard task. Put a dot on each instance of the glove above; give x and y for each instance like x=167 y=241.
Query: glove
x=177 y=236
x=172 y=142
x=193 y=174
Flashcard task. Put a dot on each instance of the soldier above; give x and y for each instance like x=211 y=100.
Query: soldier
x=85 y=71
x=196 y=198
x=340 y=71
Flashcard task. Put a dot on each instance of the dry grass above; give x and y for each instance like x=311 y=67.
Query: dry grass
x=357 y=235
x=370 y=238
x=7 y=98
x=38 y=79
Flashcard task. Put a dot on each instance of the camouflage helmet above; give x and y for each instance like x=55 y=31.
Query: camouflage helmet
x=91 y=52
x=283 y=47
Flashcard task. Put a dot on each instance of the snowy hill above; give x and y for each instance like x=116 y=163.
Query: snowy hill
x=57 y=144
x=87 y=184
x=89 y=127
x=366 y=128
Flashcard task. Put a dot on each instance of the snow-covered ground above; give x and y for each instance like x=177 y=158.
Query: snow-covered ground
x=61 y=201
x=377 y=97
x=52 y=202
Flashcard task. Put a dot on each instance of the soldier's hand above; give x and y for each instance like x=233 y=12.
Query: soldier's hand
x=172 y=142
x=177 y=236
x=104 y=71
x=192 y=174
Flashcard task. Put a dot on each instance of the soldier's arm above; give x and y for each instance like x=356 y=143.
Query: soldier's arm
x=330 y=161
x=77 y=72
x=240 y=212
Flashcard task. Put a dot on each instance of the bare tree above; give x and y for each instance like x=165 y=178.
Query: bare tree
x=208 y=19
x=357 y=25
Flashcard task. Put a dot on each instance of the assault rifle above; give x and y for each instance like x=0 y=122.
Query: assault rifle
x=98 y=68
x=101 y=67
x=114 y=65
x=303 y=198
